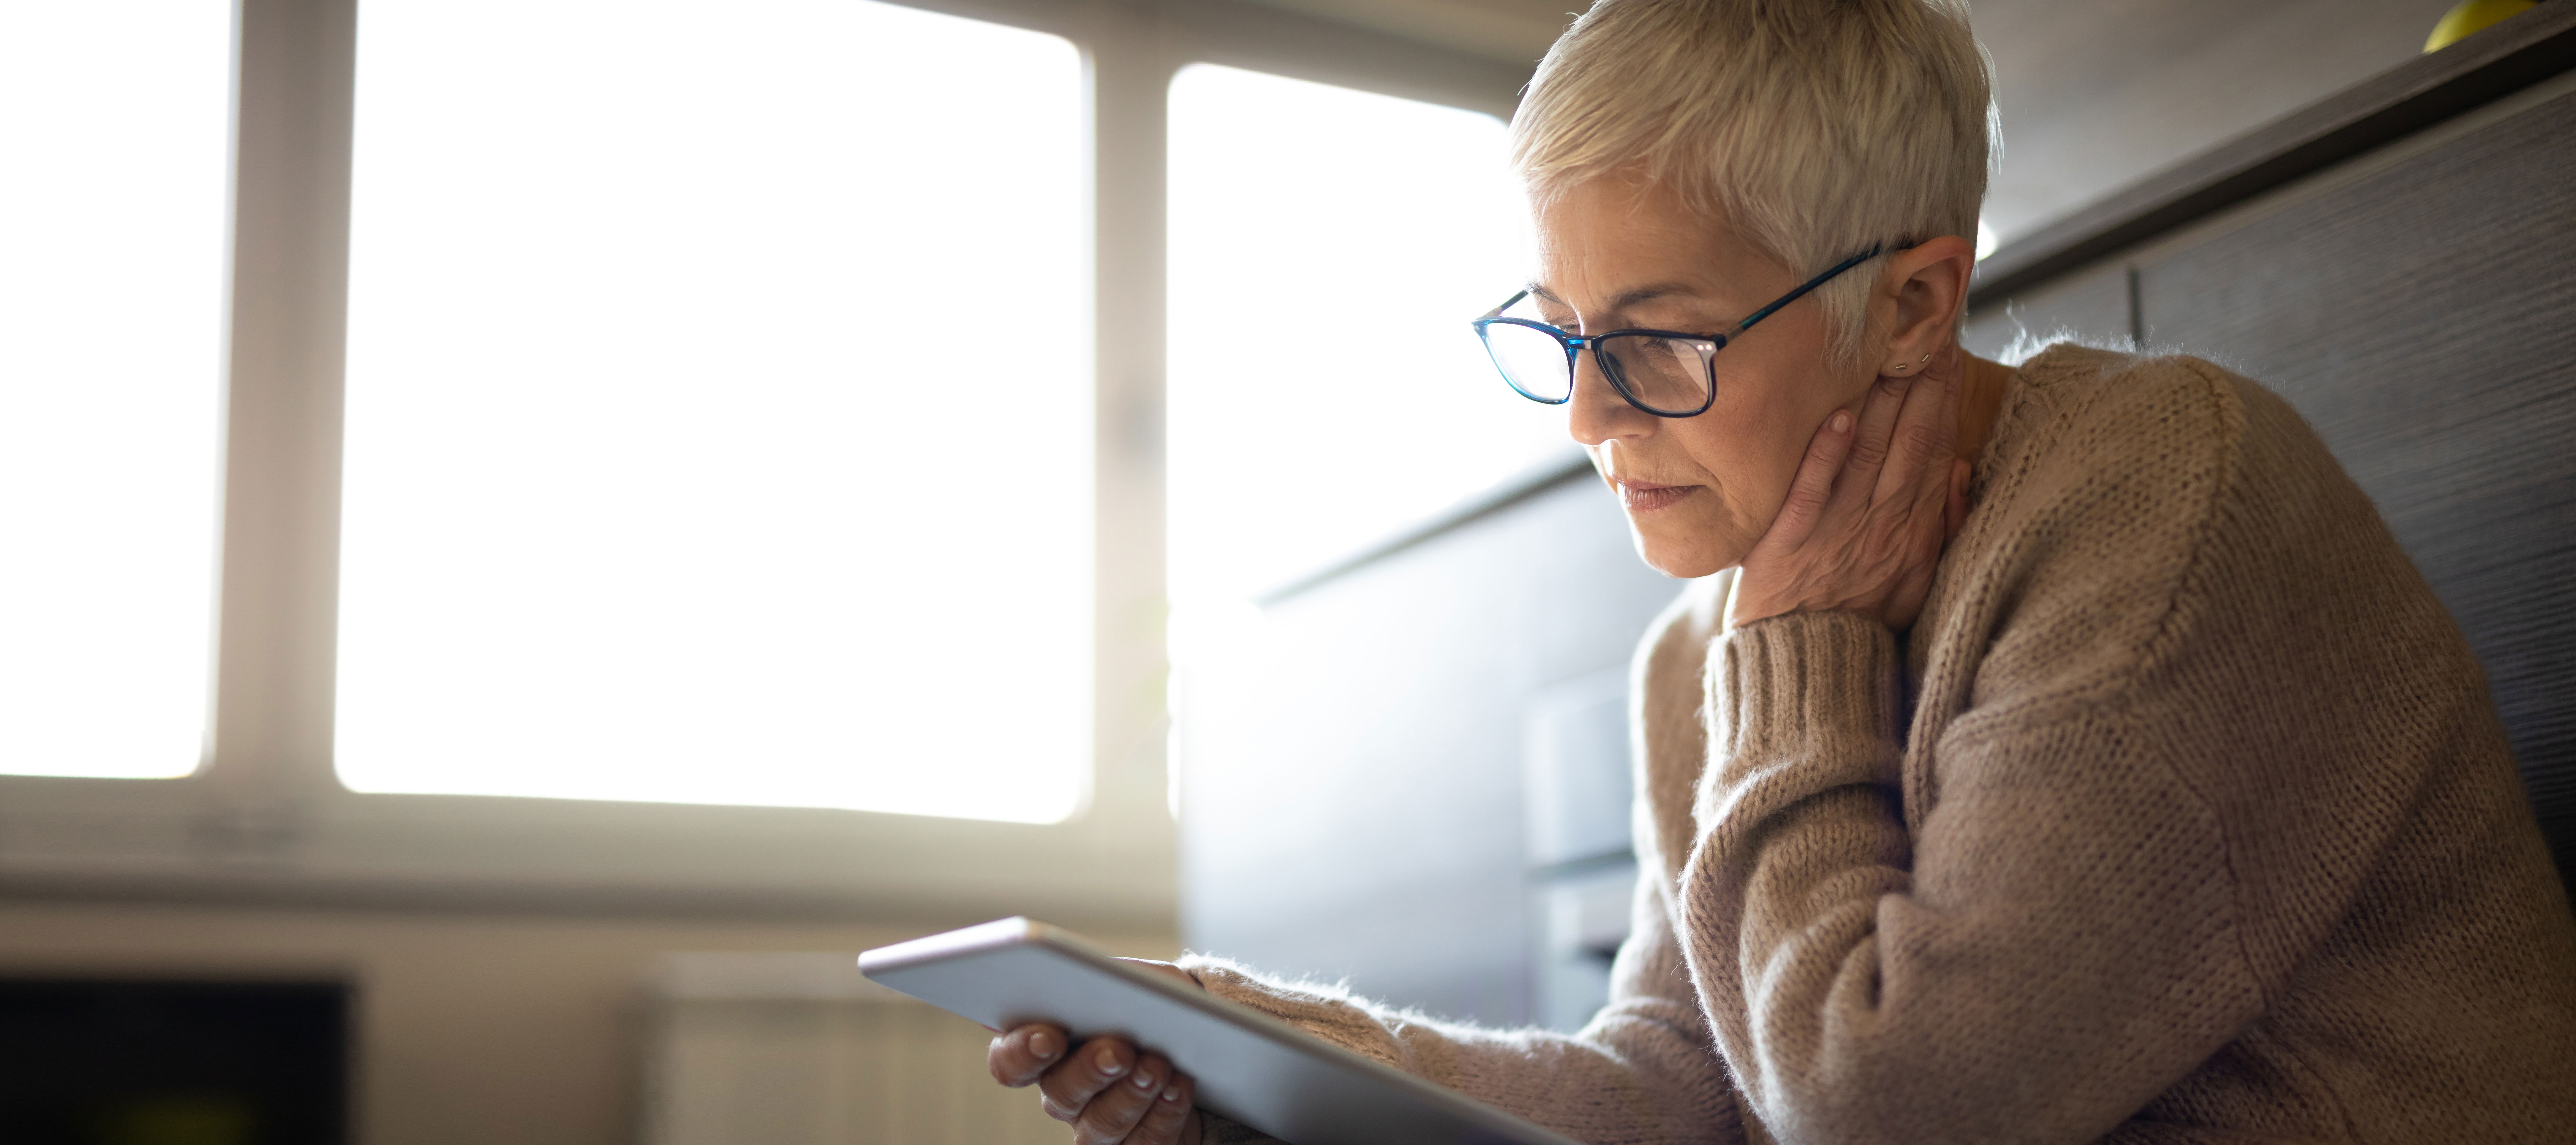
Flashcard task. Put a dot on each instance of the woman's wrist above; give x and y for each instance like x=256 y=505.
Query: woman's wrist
x=1815 y=685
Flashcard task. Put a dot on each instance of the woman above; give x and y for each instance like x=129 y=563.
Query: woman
x=2056 y=754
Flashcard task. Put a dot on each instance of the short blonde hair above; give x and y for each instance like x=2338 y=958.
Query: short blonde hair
x=1817 y=128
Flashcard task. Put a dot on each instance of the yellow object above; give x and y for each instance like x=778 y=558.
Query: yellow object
x=2472 y=16
x=184 y=1119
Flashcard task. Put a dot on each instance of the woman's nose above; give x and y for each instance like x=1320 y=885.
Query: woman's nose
x=1596 y=413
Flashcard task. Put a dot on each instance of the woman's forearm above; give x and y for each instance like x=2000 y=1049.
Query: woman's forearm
x=2035 y=964
x=1642 y=1071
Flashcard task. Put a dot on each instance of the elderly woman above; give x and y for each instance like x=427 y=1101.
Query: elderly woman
x=2057 y=754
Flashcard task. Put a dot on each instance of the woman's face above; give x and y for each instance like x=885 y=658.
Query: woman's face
x=1699 y=491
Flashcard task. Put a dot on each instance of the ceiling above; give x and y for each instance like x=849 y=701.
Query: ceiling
x=1513 y=31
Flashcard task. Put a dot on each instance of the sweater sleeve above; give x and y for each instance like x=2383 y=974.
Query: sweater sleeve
x=2034 y=967
x=1643 y=1071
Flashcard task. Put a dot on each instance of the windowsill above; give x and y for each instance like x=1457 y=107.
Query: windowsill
x=198 y=839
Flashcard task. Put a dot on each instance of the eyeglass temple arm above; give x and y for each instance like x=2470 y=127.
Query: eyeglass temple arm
x=1799 y=293
x=1497 y=312
x=1757 y=315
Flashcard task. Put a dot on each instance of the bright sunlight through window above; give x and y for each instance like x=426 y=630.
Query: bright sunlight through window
x=115 y=122
x=1328 y=248
x=719 y=408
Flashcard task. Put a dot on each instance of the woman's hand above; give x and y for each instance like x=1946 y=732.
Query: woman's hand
x=1870 y=508
x=1104 y=1088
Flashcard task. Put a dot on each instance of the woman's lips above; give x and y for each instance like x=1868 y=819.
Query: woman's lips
x=1646 y=496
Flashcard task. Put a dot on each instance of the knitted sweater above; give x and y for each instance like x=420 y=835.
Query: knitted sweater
x=2181 y=815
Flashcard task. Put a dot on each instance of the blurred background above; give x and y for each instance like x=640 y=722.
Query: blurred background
x=536 y=529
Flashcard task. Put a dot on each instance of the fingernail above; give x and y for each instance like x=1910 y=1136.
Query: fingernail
x=1842 y=420
x=1147 y=1080
x=1042 y=1045
x=1109 y=1063
x=1172 y=1092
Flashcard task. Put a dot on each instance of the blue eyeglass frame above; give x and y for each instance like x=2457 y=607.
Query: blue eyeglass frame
x=1707 y=344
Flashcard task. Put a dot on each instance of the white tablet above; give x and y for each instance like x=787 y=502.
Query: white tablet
x=1249 y=1066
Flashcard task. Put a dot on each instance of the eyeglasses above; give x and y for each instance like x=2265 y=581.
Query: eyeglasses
x=1659 y=371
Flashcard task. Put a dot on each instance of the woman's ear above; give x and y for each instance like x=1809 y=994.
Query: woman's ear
x=1925 y=288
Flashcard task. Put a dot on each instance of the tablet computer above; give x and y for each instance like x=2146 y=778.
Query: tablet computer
x=1249 y=1066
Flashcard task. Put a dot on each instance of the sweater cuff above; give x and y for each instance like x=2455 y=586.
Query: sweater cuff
x=1224 y=979
x=1814 y=688
x=1297 y=1004
x=1219 y=976
x=1325 y=1010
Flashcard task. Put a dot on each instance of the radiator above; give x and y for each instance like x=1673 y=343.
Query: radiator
x=798 y=1049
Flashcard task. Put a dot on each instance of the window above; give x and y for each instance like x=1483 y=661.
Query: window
x=1328 y=248
x=719 y=419
x=114 y=121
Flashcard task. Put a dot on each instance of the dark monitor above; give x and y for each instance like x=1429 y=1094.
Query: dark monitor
x=133 y=1062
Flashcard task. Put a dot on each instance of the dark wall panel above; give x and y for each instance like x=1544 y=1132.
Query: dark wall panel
x=1352 y=780
x=2091 y=306
x=2423 y=318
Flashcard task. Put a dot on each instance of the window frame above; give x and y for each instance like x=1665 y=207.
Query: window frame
x=264 y=818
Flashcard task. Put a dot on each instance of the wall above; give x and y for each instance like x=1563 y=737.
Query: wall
x=2092 y=95
x=1352 y=795
x=2095 y=95
x=490 y=1029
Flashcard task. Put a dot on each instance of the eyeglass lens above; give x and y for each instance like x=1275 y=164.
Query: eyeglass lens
x=1533 y=361
x=1662 y=374
x=1665 y=375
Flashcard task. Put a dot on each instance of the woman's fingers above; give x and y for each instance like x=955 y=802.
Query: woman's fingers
x=1920 y=443
x=1069 y=1088
x=1868 y=511
x=1910 y=501
x=1020 y=1056
x=1120 y=1107
x=1108 y=1092
x=1172 y=1120
x=1871 y=440
x=1813 y=486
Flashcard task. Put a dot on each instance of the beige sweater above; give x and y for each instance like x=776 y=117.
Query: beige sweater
x=2181 y=815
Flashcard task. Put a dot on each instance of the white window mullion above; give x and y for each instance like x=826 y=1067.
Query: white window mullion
x=1131 y=70
x=280 y=510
